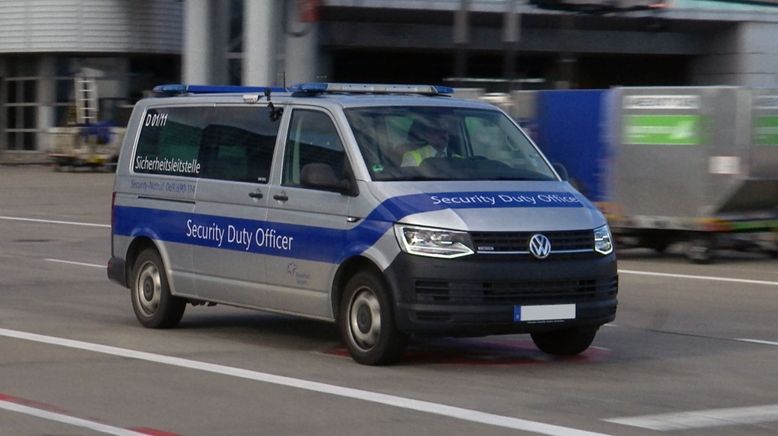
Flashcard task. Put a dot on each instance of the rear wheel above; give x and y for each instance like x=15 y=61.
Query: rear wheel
x=567 y=342
x=152 y=302
x=367 y=323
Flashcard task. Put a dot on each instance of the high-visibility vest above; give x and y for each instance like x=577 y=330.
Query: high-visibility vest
x=414 y=158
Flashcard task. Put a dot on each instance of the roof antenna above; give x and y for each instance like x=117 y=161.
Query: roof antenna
x=275 y=113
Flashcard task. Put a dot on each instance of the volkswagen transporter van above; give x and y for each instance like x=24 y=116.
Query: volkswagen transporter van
x=390 y=210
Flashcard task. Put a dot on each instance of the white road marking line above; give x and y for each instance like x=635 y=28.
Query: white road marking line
x=357 y=394
x=70 y=223
x=757 y=341
x=687 y=276
x=702 y=418
x=70 y=262
x=66 y=419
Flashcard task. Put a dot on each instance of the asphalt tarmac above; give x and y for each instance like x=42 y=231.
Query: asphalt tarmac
x=693 y=351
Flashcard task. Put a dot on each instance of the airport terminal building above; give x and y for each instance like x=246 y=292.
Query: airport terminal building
x=124 y=47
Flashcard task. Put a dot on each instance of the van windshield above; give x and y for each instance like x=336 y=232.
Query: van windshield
x=442 y=143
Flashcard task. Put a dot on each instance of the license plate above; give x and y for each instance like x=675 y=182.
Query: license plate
x=548 y=312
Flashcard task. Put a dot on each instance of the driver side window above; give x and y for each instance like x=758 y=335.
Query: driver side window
x=312 y=138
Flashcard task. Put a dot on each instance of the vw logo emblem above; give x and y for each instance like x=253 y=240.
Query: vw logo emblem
x=539 y=246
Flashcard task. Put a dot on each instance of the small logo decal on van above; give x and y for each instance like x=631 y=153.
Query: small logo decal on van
x=539 y=246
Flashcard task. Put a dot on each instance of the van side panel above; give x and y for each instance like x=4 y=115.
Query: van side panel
x=316 y=225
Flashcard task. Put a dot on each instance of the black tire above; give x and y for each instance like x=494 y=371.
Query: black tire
x=701 y=250
x=152 y=302
x=567 y=342
x=367 y=323
x=658 y=245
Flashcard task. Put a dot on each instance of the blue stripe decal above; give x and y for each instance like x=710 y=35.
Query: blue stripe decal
x=250 y=236
x=309 y=242
x=397 y=208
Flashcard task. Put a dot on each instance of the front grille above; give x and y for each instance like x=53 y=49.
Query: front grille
x=525 y=292
x=518 y=242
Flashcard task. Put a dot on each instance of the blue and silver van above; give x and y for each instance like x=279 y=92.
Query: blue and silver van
x=390 y=210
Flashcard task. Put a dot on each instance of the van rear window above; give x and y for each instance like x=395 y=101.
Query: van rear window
x=226 y=143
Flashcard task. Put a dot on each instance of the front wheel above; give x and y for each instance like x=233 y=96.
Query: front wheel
x=152 y=302
x=567 y=342
x=366 y=321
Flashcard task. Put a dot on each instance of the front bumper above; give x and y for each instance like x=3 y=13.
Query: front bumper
x=477 y=295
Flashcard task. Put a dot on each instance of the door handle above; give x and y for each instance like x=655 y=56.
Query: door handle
x=256 y=195
x=281 y=197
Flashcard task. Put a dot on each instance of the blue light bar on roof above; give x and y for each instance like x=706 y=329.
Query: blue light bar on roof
x=370 y=88
x=212 y=89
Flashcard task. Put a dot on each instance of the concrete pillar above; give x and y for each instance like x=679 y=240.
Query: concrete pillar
x=3 y=99
x=461 y=39
x=301 y=60
x=220 y=35
x=197 y=42
x=746 y=55
x=46 y=91
x=759 y=54
x=260 y=33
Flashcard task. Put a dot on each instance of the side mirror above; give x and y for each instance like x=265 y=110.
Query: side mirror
x=561 y=170
x=322 y=176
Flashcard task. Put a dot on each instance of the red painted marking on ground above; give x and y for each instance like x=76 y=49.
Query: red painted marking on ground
x=153 y=432
x=61 y=411
x=493 y=352
x=31 y=403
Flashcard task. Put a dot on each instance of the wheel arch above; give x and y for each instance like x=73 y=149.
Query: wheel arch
x=347 y=270
x=137 y=246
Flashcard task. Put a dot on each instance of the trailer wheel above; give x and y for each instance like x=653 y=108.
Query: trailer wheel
x=701 y=249
x=567 y=342
x=658 y=245
x=366 y=321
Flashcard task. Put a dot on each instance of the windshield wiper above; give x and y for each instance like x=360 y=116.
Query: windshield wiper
x=417 y=178
x=516 y=178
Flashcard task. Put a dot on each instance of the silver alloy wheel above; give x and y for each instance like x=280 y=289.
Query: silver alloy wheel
x=148 y=288
x=364 y=318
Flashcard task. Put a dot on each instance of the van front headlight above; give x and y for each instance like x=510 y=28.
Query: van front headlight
x=603 y=242
x=425 y=241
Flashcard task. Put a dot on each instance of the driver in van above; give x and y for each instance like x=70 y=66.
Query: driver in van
x=435 y=140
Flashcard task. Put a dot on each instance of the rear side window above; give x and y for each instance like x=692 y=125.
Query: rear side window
x=169 y=142
x=224 y=143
